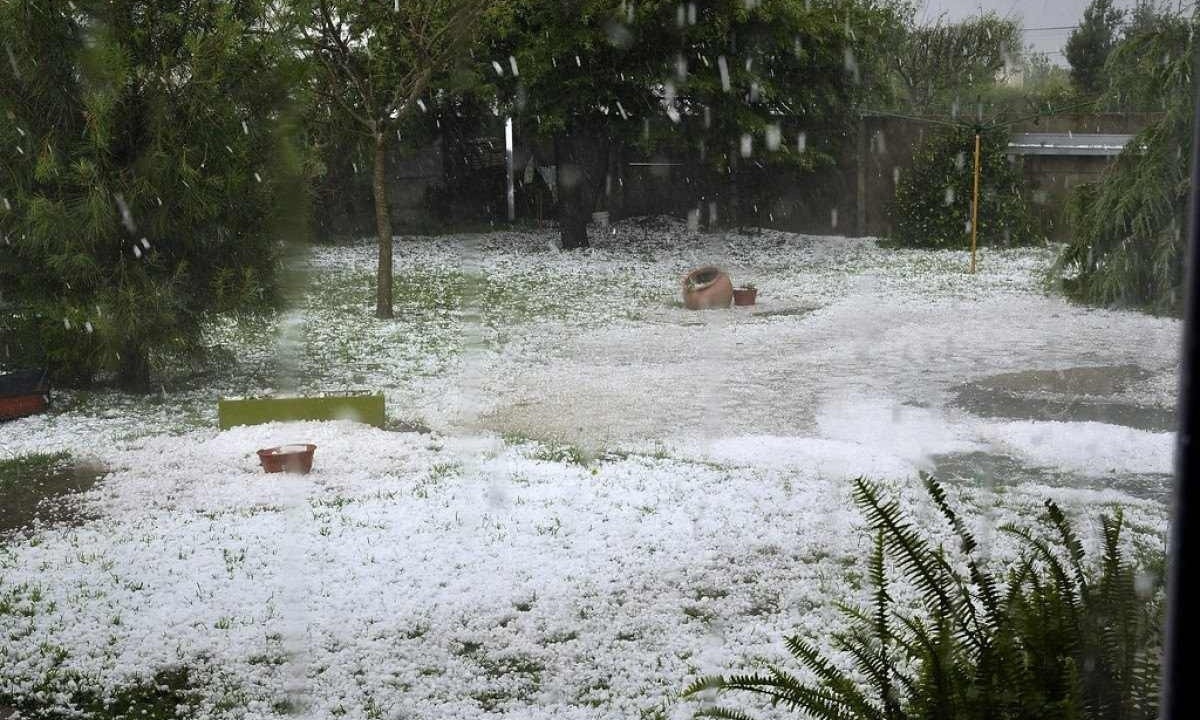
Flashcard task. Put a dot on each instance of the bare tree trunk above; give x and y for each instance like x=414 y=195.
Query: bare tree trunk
x=383 y=231
x=582 y=161
x=133 y=372
x=574 y=210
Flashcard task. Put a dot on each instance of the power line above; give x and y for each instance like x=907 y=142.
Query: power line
x=1049 y=27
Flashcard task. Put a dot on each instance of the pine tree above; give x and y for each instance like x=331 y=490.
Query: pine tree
x=1089 y=45
x=146 y=176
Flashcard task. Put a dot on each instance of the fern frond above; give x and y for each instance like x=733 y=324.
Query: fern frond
x=837 y=681
x=721 y=713
x=926 y=567
x=1070 y=541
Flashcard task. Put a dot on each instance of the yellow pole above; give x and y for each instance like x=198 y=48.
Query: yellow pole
x=975 y=205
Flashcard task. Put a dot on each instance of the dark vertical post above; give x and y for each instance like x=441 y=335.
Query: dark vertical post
x=860 y=204
x=1180 y=692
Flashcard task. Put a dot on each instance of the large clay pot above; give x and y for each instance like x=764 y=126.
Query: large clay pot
x=707 y=287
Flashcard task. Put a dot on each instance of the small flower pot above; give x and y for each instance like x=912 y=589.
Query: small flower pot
x=287 y=458
x=744 y=296
x=707 y=287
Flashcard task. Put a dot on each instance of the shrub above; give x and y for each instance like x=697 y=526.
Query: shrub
x=1057 y=638
x=1127 y=244
x=932 y=207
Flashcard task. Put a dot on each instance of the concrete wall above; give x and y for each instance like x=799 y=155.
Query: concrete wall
x=852 y=198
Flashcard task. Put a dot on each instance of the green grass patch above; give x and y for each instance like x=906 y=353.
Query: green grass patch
x=169 y=695
x=22 y=469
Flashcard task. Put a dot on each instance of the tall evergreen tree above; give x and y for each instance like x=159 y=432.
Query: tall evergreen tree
x=1089 y=45
x=145 y=166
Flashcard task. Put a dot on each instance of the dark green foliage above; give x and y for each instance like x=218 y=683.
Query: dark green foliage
x=145 y=160
x=1089 y=45
x=649 y=76
x=1056 y=637
x=932 y=207
x=1127 y=244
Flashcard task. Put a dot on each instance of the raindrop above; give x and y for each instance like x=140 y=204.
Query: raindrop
x=145 y=243
x=7 y=204
x=126 y=215
x=421 y=104
x=723 y=67
x=137 y=251
x=245 y=128
x=896 y=175
x=88 y=326
x=67 y=323
x=960 y=161
x=258 y=177
x=680 y=16
x=949 y=196
x=774 y=136
x=851 y=64
x=747 y=145
x=833 y=218
x=691 y=13
x=499 y=70
x=801 y=141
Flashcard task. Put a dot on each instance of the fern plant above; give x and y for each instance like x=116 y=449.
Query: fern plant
x=1054 y=638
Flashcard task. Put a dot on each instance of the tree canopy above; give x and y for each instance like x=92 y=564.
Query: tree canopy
x=148 y=168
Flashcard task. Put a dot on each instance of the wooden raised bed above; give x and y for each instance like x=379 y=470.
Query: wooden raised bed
x=23 y=392
x=364 y=408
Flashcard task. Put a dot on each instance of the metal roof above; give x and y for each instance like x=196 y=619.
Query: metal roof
x=1094 y=144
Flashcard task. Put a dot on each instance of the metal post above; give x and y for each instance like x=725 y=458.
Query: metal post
x=508 y=169
x=975 y=205
x=1180 y=692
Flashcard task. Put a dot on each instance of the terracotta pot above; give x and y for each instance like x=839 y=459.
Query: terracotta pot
x=288 y=458
x=744 y=296
x=707 y=287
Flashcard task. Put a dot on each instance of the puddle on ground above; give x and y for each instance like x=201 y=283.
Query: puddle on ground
x=46 y=496
x=1078 y=394
x=981 y=469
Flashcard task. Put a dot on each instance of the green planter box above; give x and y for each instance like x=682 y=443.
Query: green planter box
x=256 y=411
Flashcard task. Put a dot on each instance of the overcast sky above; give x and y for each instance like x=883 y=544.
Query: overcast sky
x=1033 y=14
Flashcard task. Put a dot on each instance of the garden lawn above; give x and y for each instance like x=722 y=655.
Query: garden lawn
x=609 y=494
